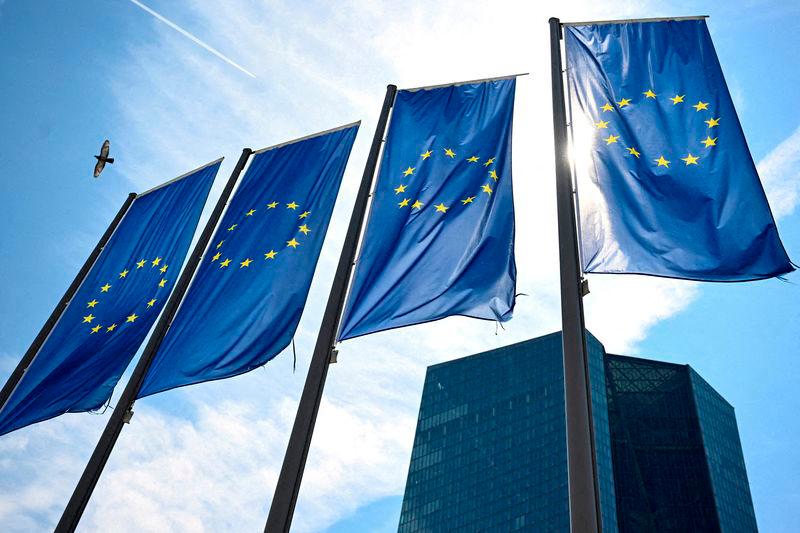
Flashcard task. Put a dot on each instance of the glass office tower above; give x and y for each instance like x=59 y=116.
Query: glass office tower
x=678 y=462
x=490 y=447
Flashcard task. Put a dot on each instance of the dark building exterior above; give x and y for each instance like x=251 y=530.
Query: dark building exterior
x=678 y=463
x=490 y=448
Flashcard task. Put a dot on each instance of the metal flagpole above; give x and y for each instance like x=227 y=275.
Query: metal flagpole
x=584 y=494
x=27 y=359
x=124 y=409
x=294 y=462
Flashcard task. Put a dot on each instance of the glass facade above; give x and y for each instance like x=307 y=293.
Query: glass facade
x=678 y=463
x=725 y=459
x=490 y=448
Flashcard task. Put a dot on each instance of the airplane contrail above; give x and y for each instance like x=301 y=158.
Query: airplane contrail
x=192 y=37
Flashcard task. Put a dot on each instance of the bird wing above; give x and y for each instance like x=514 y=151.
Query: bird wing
x=98 y=168
x=104 y=149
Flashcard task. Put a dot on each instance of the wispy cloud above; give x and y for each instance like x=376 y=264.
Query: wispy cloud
x=192 y=38
x=780 y=173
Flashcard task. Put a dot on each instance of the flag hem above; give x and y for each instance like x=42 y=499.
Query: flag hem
x=187 y=174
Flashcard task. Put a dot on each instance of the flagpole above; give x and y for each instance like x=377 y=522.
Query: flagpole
x=27 y=359
x=124 y=410
x=288 y=487
x=584 y=494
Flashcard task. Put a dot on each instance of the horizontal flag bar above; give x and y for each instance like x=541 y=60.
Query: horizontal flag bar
x=626 y=21
x=173 y=180
x=306 y=137
x=455 y=84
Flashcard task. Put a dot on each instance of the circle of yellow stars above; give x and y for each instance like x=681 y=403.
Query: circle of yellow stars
x=441 y=207
x=677 y=100
x=270 y=255
x=106 y=292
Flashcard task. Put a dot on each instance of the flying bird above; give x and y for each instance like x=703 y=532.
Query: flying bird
x=103 y=158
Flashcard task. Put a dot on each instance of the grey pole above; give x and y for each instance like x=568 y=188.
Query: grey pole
x=124 y=409
x=584 y=494
x=294 y=462
x=27 y=359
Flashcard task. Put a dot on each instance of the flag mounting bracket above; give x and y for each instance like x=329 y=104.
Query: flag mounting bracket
x=126 y=418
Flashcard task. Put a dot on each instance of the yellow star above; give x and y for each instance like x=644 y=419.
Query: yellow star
x=292 y=205
x=304 y=229
x=662 y=162
x=270 y=255
x=417 y=205
x=409 y=171
x=88 y=318
x=603 y=124
x=132 y=317
x=426 y=155
x=96 y=329
x=401 y=188
x=441 y=208
x=690 y=160
x=700 y=105
x=304 y=214
x=633 y=152
x=712 y=122
x=105 y=288
x=141 y=263
x=607 y=107
x=155 y=261
x=123 y=273
x=293 y=243
x=649 y=93
x=162 y=283
x=493 y=174
x=245 y=263
x=225 y=263
x=216 y=256
x=250 y=213
x=449 y=153
x=473 y=159
x=219 y=244
x=403 y=203
x=487 y=189
x=92 y=303
x=489 y=162
x=233 y=227
x=611 y=139
x=273 y=205
x=151 y=303
x=625 y=101
x=112 y=327
x=163 y=269
x=708 y=141
x=467 y=200
x=677 y=99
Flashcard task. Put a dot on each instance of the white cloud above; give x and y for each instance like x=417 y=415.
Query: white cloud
x=780 y=173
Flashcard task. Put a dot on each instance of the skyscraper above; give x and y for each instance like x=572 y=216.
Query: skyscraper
x=678 y=463
x=490 y=446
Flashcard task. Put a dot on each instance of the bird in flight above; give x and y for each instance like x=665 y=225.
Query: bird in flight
x=103 y=158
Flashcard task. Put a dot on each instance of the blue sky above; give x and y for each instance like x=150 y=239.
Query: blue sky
x=206 y=457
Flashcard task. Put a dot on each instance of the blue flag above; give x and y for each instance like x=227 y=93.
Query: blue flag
x=671 y=188
x=440 y=237
x=103 y=326
x=246 y=299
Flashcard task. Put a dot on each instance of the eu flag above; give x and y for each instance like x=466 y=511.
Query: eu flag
x=103 y=326
x=440 y=236
x=245 y=301
x=671 y=188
